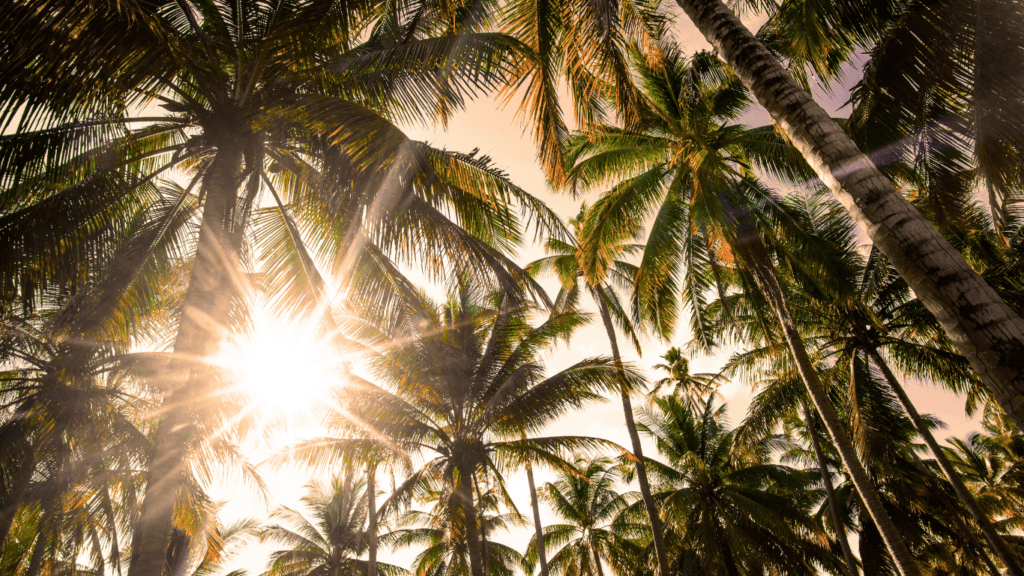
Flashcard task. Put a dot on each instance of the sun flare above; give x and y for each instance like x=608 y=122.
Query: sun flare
x=283 y=365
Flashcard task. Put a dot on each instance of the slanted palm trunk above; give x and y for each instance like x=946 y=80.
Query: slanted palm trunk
x=991 y=535
x=598 y=571
x=830 y=494
x=206 y=310
x=983 y=327
x=371 y=520
x=476 y=565
x=634 y=437
x=542 y=554
x=23 y=455
x=748 y=245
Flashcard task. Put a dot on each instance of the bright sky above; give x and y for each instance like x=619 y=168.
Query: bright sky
x=497 y=133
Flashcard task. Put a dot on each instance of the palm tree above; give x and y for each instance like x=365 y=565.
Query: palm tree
x=587 y=503
x=584 y=43
x=691 y=169
x=736 y=512
x=73 y=448
x=986 y=331
x=931 y=520
x=692 y=387
x=259 y=98
x=880 y=319
x=463 y=382
x=598 y=269
x=437 y=530
x=955 y=114
x=331 y=543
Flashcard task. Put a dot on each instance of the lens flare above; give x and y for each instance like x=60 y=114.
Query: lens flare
x=283 y=365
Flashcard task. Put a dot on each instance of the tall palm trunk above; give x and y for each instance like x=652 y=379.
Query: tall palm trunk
x=476 y=566
x=371 y=520
x=991 y=535
x=748 y=245
x=205 y=311
x=830 y=494
x=983 y=327
x=542 y=554
x=634 y=438
x=24 y=459
x=598 y=571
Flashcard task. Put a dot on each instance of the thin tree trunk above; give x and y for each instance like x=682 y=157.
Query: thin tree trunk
x=469 y=512
x=993 y=537
x=634 y=437
x=20 y=481
x=872 y=548
x=957 y=520
x=206 y=309
x=542 y=554
x=597 y=563
x=748 y=245
x=371 y=520
x=830 y=494
x=984 y=328
x=483 y=535
x=36 y=560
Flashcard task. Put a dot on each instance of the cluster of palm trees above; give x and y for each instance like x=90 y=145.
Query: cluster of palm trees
x=166 y=165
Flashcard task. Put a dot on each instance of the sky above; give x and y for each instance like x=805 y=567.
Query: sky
x=495 y=130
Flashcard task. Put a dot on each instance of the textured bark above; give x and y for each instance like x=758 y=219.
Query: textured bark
x=469 y=512
x=830 y=495
x=634 y=438
x=542 y=554
x=986 y=331
x=993 y=537
x=205 y=312
x=747 y=243
x=371 y=521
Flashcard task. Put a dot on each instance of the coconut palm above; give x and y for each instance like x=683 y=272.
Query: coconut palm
x=330 y=540
x=281 y=98
x=957 y=113
x=925 y=509
x=736 y=512
x=584 y=44
x=986 y=331
x=607 y=273
x=694 y=388
x=690 y=168
x=438 y=531
x=74 y=446
x=882 y=321
x=587 y=503
x=462 y=384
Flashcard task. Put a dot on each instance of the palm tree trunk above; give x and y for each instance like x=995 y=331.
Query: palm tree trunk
x=371 y=520
x=984 y=328
x=205 y=311
x=993 y=537
x=19 y=484
x=830 y=494
x=747 y=243
x=597 y=563
x=634 y=437
x=469 y=513
x=542 y=554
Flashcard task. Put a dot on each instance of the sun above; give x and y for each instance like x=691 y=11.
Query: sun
x=283 y=365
